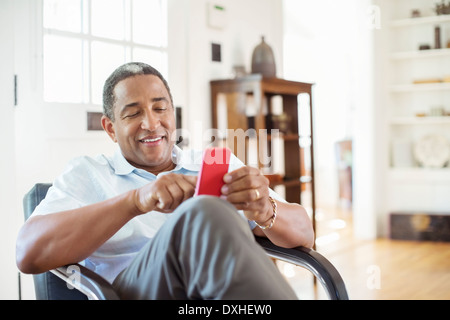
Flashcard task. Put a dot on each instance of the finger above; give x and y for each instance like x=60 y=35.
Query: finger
x=240 y=173
x=177 y=195
x=248 y=200
x=248 y=182
x=185 y=190
x=179 y=188
x=248 y=195
x=165 y=199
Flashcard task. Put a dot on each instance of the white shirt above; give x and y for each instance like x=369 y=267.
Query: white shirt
x=89 y=180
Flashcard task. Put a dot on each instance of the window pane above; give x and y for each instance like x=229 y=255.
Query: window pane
x=105 y=59
x=155 y=58
x=150 y=22
x=63 y=72
x=62 y=15
x=108 y=19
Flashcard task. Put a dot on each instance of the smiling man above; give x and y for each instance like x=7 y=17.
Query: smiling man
x=133 y=219
x=145 y=123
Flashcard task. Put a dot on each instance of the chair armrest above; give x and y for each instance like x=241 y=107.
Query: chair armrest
x=86 y=281
x=313 y=261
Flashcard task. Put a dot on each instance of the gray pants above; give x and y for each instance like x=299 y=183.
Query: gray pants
x=205 y=251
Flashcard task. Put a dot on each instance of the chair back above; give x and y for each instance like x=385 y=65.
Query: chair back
x=47 y=286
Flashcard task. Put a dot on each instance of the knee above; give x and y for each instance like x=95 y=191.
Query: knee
x=209 y=203
x=208 y=210
x=206 y=206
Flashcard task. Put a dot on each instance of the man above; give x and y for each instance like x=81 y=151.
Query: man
x=133 y=219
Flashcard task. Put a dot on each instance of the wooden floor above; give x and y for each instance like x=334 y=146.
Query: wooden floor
x=376 y=270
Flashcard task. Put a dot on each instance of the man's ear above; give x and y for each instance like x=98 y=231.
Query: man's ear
x=108 y=126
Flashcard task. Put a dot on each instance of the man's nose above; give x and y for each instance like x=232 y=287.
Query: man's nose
x=150 y=122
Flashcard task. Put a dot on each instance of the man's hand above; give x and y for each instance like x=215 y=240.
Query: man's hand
x=166 y=193
x=247 y=189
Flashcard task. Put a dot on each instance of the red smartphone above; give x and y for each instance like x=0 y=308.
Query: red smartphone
x=215 y=165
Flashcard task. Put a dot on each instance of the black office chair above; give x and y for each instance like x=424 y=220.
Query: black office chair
x=75 y=282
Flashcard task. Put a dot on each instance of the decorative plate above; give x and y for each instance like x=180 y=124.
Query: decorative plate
x=432 y=151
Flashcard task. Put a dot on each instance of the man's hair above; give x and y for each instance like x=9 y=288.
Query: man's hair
x=121 y=73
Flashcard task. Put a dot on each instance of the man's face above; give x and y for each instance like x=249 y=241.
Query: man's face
x=144 y=123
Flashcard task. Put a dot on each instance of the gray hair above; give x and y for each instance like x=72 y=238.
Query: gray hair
x=121 y=73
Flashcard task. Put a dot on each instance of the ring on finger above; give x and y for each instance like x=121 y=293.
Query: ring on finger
x=258 y=196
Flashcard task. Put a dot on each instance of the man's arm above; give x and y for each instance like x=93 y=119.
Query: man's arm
x=49 y=241
x=292 y=227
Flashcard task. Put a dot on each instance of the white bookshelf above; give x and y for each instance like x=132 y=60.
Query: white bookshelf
x=420 y=120
x=408 y=184
x=411 y=87
x=409 y=22
x=432 y=53
x=420 y=175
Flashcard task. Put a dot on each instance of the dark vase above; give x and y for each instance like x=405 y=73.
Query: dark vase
x=263 y=60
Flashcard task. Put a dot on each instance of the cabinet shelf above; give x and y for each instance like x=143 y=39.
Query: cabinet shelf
x=285 y=137
x=296 y=161
x=287 y=182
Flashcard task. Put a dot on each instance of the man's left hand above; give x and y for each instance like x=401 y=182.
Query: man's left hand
x=247 y=189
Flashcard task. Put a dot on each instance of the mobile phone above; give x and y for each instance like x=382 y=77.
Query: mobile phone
x=215 y=163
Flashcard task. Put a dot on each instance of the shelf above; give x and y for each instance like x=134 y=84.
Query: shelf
x=291 y=182
x=420 y=120
x=285 y=137
x=419 y=21
x=441 y=86
x=432 y=53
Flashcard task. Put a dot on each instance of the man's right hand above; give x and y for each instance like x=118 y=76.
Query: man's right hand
x=166 y=193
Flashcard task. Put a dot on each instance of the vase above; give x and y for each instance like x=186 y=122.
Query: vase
x=263 y=60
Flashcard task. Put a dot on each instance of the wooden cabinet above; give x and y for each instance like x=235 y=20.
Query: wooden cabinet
x=262 y=118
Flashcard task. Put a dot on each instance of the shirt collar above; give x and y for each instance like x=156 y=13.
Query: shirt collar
x=121 y=166
x=183 y=159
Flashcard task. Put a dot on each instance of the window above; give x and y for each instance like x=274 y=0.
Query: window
x=85 y=40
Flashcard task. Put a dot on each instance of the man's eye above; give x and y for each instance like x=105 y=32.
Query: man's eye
x=131 y=115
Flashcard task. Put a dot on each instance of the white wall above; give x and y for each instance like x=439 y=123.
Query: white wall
x=320 y=47
x=329 y=43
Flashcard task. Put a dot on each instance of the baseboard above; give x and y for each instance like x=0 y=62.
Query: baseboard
x=419 y=226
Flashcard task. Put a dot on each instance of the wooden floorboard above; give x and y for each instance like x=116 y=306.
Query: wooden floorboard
x=382 y=269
